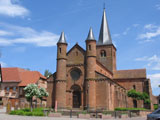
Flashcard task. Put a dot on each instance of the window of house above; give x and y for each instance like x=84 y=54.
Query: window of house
x=103 y=53
x=14 y=88
x=7 y=89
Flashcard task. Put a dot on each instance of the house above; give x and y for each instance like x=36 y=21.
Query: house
x=14 y=79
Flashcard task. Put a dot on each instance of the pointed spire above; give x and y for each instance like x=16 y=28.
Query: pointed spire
x=104 y=35
x=62 y=38
x=90 y=35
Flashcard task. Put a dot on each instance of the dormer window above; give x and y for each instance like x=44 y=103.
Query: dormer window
x=103 y=53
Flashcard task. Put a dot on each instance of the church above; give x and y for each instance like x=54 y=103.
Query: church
x=88 y=78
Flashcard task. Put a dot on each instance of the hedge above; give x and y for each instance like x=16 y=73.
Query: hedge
x=127 y=109
x=27 y=112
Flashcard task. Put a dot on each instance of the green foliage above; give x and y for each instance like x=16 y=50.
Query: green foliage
x=47 y=73
x=30 y=91
x=42 y=93
x=107 y=112
x=26 y=112
x=155 y=106
x=127 y=109
x=83 y=112
x=139 y=96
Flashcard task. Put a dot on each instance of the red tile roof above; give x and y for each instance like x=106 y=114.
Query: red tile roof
x=127 y=74
x=11 y=74
x=23 y=76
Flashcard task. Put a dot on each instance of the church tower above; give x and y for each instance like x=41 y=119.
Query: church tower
x=61 y=72
x=90 y=69
x=106 y=51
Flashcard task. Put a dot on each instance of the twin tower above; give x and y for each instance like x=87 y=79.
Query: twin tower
x=102 y=52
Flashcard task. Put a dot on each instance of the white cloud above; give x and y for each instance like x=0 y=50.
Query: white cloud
x=155 y=82
x=150 y=26
x=4 y=33
x=115 y=35
x=3 y=64
x=27 y=35
x=135 y=25
x=126 y=31
x=153 y=62
x=158 y=6
x=151 y=31
x=12 y=8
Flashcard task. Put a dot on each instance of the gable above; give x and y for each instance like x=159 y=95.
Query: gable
x=76 y=55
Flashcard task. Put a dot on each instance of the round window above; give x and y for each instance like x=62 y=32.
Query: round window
x=75 y=74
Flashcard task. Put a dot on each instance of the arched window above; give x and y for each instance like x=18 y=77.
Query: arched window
x=103 y=53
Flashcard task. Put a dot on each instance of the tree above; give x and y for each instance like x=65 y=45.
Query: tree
x=139 y=96
x=47 y=73
x=31 y=90
x=42 y=93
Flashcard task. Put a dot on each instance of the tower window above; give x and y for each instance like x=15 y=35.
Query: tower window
x=60 y=50
x=103 y=53
x=76 y=53
x=89 y=47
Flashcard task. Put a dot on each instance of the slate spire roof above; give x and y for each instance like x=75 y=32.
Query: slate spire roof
x=104 y=35
x=90 y=35
x=62 y=38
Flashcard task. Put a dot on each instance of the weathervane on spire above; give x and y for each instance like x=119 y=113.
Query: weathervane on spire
x=104 y=5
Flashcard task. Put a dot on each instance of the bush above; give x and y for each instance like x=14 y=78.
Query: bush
x=107 y=112
x=127 y=109
x=27 y=112
x=155 y=106
x=83 y=112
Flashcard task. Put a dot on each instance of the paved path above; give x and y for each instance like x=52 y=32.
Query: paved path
x=4 y=116
x=16 y=117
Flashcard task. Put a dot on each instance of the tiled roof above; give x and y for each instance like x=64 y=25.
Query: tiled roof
x=29 y=77
x=11 y=74
x=127 y=74
x=23 y=76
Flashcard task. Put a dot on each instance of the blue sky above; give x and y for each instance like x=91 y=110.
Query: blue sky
x=29 y=30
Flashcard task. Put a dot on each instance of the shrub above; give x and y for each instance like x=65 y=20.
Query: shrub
x=127 y=109
x=107 y=112
x=83 y=112
x=27 y=112
x=155 y=106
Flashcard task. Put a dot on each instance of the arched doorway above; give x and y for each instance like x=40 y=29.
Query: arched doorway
x=76 y=96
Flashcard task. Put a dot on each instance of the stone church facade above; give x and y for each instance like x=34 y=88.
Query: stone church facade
x=88 y=79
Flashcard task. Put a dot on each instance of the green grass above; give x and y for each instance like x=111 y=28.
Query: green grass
x=27 y=112
x=127 y=109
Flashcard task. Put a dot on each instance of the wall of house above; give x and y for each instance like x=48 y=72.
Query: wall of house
x=129 y=84
x=5 y=95
x=51 y=91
